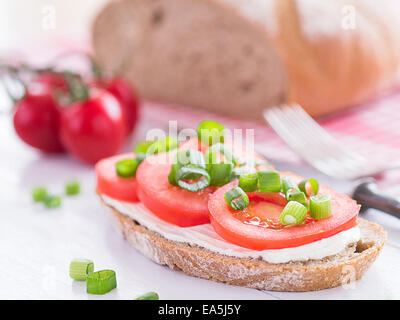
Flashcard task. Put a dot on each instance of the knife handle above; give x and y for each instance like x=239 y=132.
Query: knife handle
x=368 y=196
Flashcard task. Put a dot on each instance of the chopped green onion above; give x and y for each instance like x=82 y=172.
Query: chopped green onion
x=237 y=199
x=142 y=147
x=39 y=193
x=298 y=196
x=162 y=145
x=227 y=152
x=288 y=185
x=320 y=207
x=80 y=268
x=101 y=282
x=185 y=158
x=220 y=173
x=269 y=181
x=248 y=182
x=200 y=177
x=237 y=172
x=72 y=187
x=149 y=296
x=52 y=201
x=210 y=132
x=293 y=213
x=303 y=186
x=127 y=168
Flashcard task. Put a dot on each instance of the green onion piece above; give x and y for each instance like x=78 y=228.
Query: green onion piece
x=80 y=268
x=200 y=178
x=149 y=296
x=210 y=132
x=39 y=193
x=127 y=168
x=293 y=213
x=143 y=146
x=162 y=145
x=220 y=173
x=298 y=196
x=186 y=158
x=237 y=172
x=269 y=181
x=288 y=185
x=248 y=182
x=72 y=187
x=101 y=282
x=313 y=184
x=227 y=152
x=237 y=199
x=320 y=207
x=52 y=201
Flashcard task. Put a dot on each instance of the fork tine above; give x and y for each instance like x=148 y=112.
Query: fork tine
x=308 y=139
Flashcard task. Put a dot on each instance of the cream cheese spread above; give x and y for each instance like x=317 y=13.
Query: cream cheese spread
x=205 y=236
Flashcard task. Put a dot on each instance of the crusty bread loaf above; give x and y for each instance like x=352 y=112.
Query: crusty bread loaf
x=294 y=276
x=220 y=55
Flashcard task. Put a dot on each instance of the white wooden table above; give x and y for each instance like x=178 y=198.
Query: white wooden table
x=37 y=244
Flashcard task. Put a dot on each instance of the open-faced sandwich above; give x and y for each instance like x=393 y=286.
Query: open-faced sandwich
x=217 y=210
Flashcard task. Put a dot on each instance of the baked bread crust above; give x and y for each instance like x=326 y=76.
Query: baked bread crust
x=329 y=272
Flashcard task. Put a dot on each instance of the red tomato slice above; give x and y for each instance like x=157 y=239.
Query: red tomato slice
x=172 y=204
x=258 y=226
x=112 y=185
x=194 y=144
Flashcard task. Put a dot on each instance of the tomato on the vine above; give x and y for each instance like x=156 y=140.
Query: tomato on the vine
x=93 y=128
x=36 y=120
x=126 y=95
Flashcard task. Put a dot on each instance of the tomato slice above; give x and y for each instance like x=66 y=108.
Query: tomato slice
x=172 y=204
x=112 y=185
x=258 y=227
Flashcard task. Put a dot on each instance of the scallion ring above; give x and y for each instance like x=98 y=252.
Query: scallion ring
x=210 y=132
x=298 y=196
x=248 y=182
x=39 y=193
x=80 y=268
x=200 y=178
x=142 y=147
x=293 y=213
x=127 y=168
x=237 y=199
x=186 y=158
x=220 y=173
x=162 y=145
x=149 y=296
x=72 y=188
x=101 y=282
x=288 y=185
x=309 y=184
x=51 y=201
x=269 y=181
x=320 y=207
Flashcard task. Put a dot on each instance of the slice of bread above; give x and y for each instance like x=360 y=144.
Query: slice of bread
x=329 y=272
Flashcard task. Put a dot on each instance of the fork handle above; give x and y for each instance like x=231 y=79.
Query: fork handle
x=368 y=196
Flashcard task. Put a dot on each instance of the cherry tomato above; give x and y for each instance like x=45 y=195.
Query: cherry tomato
x=258 y=228
x=112 y=185
x=126 y=95
x=94 y=128
x=36 y=120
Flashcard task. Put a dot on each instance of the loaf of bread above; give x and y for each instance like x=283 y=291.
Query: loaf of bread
x=239 y=57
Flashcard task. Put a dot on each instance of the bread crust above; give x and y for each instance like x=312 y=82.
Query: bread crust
x=311 y=275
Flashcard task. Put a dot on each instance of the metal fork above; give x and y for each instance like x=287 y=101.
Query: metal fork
x=317 y=147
